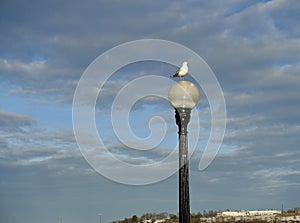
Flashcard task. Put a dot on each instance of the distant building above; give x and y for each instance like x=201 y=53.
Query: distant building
x=244 y=213
x=248 y=216
x=156 y=221
x=295 y=218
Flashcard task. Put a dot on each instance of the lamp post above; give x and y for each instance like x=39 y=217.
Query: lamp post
x=183 y=96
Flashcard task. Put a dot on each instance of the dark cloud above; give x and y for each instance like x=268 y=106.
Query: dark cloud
x=10 y=121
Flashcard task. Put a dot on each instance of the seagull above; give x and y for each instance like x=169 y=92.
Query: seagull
x=182 y=71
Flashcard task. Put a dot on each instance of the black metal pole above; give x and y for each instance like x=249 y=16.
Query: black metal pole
x=182 y=116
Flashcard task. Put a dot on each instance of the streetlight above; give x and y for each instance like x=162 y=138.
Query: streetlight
x=183 y=96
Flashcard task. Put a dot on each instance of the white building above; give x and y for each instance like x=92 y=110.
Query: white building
x=156 y=221
x=244 y=213
x=291 y=218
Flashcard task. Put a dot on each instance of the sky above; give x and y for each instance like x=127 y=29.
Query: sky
x=253 y=49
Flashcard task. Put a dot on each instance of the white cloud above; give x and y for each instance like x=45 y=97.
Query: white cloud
x=271 y=180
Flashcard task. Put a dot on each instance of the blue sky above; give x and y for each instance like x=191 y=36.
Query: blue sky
x=45 y=46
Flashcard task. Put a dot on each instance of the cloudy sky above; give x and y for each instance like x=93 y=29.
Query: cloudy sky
x=253 y=48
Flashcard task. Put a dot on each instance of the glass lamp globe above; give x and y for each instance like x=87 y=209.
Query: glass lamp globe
x=183 y=94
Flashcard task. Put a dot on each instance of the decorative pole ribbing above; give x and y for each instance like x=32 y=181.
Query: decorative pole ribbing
x=182 y=116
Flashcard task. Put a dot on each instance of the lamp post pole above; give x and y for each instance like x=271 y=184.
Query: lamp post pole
x=182 y=119
x=183 y=96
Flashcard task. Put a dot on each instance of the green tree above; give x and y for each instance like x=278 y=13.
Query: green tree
x=134 y=219
x=173 y=217
x=195 y=218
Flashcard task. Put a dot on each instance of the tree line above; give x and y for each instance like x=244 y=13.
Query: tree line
x=195 y=217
